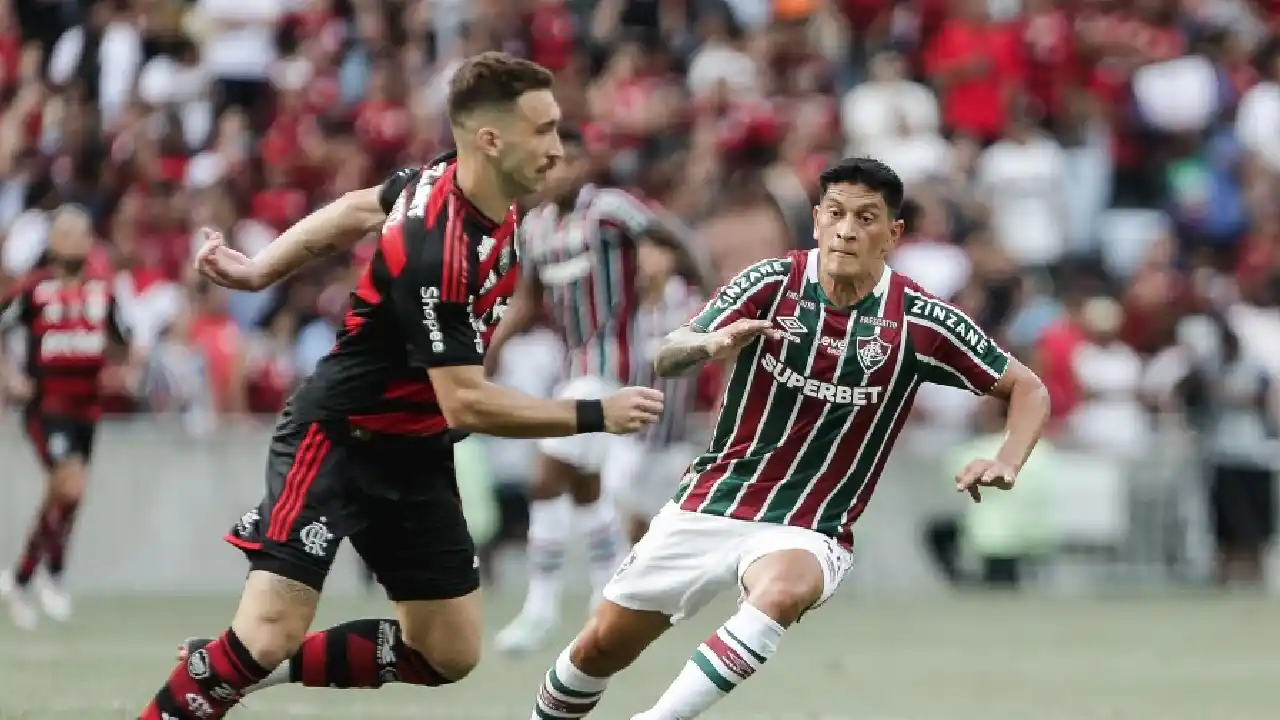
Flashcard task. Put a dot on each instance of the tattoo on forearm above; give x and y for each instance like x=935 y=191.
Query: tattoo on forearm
x=675 y=358
x=321 y=249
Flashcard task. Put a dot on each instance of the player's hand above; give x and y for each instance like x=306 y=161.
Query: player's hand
x=985 y=473
x=19 y=388
x=226 y=267
x=631 y=409
x=727 y=341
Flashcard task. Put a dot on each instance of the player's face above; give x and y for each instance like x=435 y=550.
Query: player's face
x=70 y=242
x=655 y=263
x=855 y=230
x=531 y=144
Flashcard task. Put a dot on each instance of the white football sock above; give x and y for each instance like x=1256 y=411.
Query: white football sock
x=724 y=660
x=567 y=692
x=549 y=530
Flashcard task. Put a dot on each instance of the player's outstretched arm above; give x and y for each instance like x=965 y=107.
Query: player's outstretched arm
x=472 y=404
x=1028 y=414
x=334 y=227
x=686 y=347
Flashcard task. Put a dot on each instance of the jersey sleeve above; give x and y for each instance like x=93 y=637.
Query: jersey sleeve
x=951 y=349
x=749 y=295
x=393 y=187
x=429 y=297
x=622 y=214
x=15 y=307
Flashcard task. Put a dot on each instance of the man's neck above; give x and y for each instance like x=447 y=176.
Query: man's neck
x=847 y=292
x=480 y=185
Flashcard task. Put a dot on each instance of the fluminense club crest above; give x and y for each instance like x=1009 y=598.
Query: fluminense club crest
x=872 y=352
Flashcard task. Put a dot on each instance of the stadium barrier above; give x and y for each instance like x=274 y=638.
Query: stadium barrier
x=159 y=502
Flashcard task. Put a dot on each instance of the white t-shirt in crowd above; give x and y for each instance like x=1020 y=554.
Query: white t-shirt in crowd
x=119 y=57
x=1258 y=122
x=714 y=64
x=875 y=109
x=246 y=52
x=1024 y=182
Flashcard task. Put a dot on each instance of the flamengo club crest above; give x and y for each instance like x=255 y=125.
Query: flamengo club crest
x=872 y=352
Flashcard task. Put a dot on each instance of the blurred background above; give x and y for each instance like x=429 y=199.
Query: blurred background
x=1095 y=181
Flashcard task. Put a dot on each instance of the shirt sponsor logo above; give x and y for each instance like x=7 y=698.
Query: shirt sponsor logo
x=738 y=288
x=820 y=389
x=948 y=317
x=430 y=299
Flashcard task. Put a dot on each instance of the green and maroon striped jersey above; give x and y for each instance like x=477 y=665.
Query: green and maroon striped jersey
x=809 y=418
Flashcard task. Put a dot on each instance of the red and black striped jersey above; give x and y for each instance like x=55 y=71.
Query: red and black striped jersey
x=431 y=295
x=69 y=325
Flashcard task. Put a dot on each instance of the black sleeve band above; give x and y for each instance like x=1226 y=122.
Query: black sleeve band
x=590 y=416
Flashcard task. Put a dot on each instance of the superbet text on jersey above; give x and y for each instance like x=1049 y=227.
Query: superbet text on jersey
x=69 y=326
x=810 y=416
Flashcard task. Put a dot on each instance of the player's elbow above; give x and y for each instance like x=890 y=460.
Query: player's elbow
x=463 y=409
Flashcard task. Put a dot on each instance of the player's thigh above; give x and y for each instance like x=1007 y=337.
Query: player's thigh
x=274 y=614
x=786 y=571
x=682 y=562
x=306 y=510
x=586 y=453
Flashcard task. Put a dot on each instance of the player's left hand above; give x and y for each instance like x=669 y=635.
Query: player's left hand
x=985 y=473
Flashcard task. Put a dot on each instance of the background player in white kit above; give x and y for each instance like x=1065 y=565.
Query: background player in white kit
x=579 y=253
x=644 y=471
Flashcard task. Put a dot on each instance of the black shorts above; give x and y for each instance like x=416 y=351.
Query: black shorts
x=57 y=438
x=1243 y=505
x=395 y=498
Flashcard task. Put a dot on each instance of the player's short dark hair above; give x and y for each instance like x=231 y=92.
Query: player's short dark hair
x=493 y=79
x=868 y=172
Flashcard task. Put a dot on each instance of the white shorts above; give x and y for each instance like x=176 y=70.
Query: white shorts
x=641 y=479
x=584 y=452
x=687 y=558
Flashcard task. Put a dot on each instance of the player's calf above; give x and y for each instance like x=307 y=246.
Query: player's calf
x=612 y=639
x=780 y=587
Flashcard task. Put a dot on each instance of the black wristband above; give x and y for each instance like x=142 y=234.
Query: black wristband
x=590 y=416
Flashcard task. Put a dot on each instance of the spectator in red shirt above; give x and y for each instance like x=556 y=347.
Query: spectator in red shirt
x=976 y=67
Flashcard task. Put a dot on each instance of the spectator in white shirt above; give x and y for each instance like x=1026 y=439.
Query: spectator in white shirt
x=238 y=48
x=1258 y=117
x=888 y=105
x=1021 y=177
x=114 y=38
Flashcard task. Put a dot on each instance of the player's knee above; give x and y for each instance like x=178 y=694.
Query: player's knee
x=274 y=616
x=453 y=659
x=66 y=482
x=784 y=585
x=599 y=650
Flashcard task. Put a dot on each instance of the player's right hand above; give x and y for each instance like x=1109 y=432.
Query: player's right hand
x=631 y=409
x=226 y=267
x=728 y=340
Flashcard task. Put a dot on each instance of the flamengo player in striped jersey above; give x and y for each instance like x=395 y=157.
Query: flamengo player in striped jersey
x=72 y=322
x=363 y=450
x=827 y=349
x=579 y=252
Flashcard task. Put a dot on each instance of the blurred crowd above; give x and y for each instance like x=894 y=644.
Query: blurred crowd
x=1097 y=182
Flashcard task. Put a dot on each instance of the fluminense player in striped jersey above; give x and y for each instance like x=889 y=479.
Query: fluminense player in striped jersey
x=579 y=254
x=827 y=349
x=643 y=472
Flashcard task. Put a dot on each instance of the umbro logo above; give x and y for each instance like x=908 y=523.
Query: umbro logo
x=791 y=324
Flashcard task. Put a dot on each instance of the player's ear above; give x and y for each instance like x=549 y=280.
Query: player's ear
x=815 y=223
x=489 y=140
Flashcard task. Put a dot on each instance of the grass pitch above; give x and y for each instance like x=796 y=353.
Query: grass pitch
x=963 y=657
